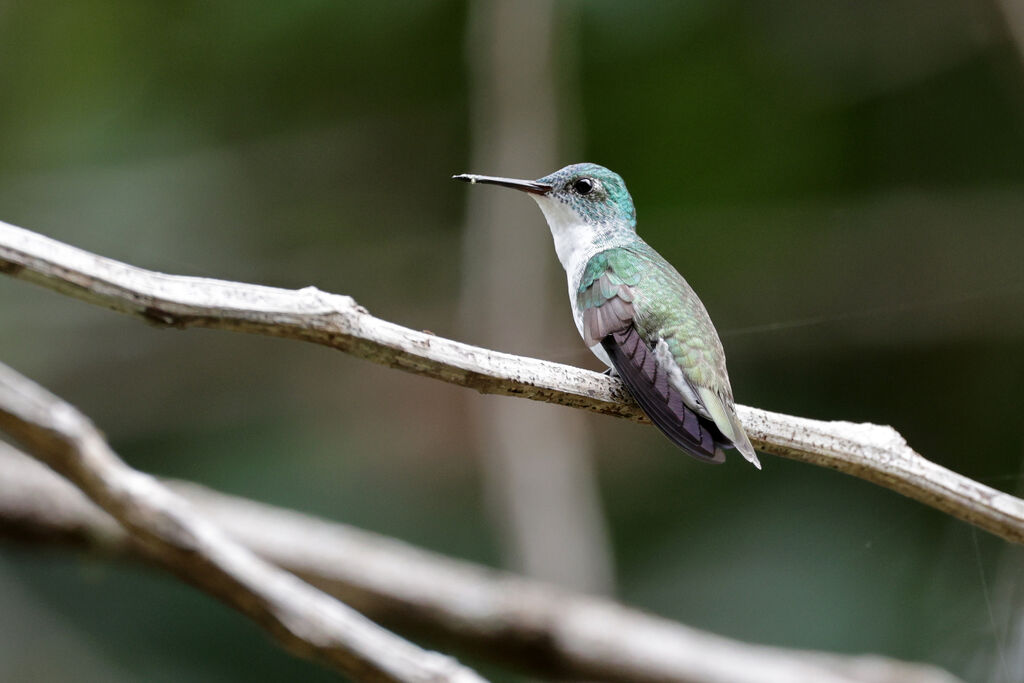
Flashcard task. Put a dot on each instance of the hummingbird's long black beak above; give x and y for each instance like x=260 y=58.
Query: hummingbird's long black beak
x=531 y=186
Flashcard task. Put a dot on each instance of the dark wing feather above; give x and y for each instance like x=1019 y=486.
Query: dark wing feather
x=605 y=295
x=649 y=385
x=614 y=312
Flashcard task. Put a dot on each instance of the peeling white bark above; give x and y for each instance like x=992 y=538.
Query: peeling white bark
x=875 y=453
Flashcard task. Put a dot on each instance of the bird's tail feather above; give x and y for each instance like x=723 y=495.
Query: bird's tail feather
x=728 y=423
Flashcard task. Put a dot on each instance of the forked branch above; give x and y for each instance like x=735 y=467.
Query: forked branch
x=167 y=530
x=538 y=629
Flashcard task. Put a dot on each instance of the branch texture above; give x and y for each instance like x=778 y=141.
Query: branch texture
x=875 y=453
x=166 y=529
x=543 y=630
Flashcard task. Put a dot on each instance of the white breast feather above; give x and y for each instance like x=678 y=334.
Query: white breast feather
x=575 y=245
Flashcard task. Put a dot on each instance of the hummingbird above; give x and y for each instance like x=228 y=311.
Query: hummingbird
x=635 y=312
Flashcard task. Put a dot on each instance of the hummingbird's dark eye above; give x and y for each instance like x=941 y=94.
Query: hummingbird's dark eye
x=583 y=186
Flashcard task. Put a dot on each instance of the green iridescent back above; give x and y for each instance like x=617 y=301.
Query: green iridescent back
x=665 y=307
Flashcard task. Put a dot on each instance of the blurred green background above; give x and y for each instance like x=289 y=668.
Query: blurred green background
x=843 y=184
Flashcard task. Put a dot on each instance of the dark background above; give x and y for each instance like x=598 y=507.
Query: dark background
x=841 y=182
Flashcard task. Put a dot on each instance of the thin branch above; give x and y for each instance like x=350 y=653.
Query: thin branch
x=544 y=630
x=166 y=528
x=875 y=453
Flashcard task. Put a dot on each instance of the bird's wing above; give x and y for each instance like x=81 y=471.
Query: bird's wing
x=605 y=299
x=605 y=295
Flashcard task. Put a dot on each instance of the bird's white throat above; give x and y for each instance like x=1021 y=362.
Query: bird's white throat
x=574 y=237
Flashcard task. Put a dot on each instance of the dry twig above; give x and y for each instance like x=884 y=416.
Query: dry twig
x=875 y=453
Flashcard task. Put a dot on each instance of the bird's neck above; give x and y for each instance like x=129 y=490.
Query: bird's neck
x=575 y=239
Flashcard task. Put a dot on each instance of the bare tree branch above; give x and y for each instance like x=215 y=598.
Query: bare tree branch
x=875 y=453
x=542 y=629
x=167 y=530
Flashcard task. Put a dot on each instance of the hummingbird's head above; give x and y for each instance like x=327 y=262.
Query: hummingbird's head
x=580 y=193
x=595 y=194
